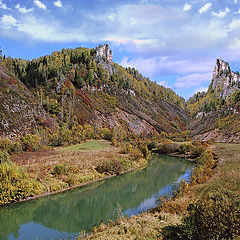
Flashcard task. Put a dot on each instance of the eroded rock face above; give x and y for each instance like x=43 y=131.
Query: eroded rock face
x=131 y=122
x=225 y=80
x=104 y=57
x=217 y=136
x=20 y=113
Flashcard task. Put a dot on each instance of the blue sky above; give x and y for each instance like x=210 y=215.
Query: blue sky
x=173 y=42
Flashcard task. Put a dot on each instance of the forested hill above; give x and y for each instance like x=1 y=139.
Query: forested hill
x=84 y=86
x=216 y=113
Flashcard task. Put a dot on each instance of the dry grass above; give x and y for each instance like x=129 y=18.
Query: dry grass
x=144 y=226
x=80 y=166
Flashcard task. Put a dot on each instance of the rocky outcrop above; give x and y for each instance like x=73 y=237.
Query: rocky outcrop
x=217 y=136
x=104 y=57
x=218 y=116
x=224 y=80
x=127 y=121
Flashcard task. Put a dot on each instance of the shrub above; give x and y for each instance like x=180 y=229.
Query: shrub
x=114 y=142
x=182 y=187
x=111 y=167
x=126 y=148
x=215 y=216
x=203 y=171
x=4 y=157
x=106 y=134
x=9 y=146
x=30 y=142
x=167 y=147
x=63 y=136
x=151 y=145
x=136 y=154
x=5 y=144
x=59 y=169
x=192 y=150
x=144 y=149
x=14 y=185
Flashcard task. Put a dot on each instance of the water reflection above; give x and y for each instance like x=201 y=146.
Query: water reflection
x=68 y=213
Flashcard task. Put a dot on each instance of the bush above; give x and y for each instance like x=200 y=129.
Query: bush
x=126 y=148
x=111 y=167
x=59 y=169
x=4 y=157
x=215 y=216
x=193 y=150
x=151 y=145
x=106 y=134
x=203 y=171
x=144 y=149
x=30 y=142
x=10 y=146
x=114 y=142
x=63 y=136
x=14 y=185
x=167 y=147
x=182 y=187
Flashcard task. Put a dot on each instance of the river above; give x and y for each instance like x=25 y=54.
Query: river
x=65 y=215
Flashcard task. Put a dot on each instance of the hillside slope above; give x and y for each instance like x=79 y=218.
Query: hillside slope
x=19 y=111
x=78 y=86
x=216 y=114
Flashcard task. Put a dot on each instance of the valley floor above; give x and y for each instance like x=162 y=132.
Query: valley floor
x=59 y=169
x=152 y=225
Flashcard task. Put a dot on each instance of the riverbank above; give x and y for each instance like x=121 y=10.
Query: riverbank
x=82 y=184
x=63 y=216
x=215 y=208
x=51 y=171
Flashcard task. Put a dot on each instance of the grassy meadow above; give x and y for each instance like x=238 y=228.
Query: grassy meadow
x=54 y=169
x=87 y=146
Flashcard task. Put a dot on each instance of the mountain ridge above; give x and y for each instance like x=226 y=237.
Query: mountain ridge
x=216 y=113
x=84 y=86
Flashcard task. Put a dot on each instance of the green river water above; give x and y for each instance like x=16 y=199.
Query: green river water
x=64 y=215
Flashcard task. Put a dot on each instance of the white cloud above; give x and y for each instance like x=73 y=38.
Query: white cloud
x=58 y=3
x=235 y=1
x=166 y=65
x=8 y=21
x=234 y=25
x=193 y=80
x=3 y=5
x=201 y=89
x=23 y=9
x=112 y=16
x=205 y=7
x=40 y=29
x=187 y=7
x=40 y=4
x=221 y=13
x=163 y=83
x=235 y=44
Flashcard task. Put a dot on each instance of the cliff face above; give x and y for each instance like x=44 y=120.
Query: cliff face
x=216 y=114
x=224 y=79
x=104 y=56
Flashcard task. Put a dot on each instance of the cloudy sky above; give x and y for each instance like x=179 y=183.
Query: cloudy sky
x=173 y=42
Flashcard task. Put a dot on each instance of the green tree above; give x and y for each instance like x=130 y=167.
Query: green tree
x=235 y=96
